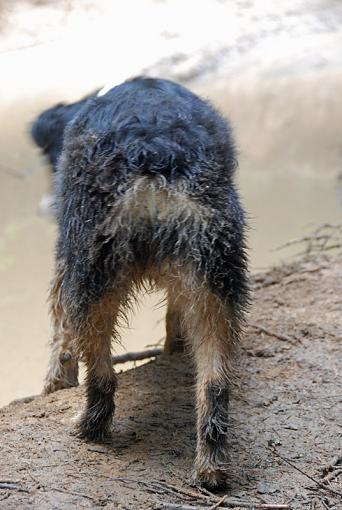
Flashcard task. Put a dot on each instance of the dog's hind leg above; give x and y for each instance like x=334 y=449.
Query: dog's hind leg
x=94 y=336
x=63 y=363
x=212 y=336
x=174 y=336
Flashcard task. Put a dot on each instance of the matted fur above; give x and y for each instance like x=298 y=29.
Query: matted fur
x=146 y=199
x=63 y=363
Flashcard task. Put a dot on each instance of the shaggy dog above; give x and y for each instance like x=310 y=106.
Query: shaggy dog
x=146 y=199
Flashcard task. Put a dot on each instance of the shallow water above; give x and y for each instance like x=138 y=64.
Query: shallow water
x=280 y=208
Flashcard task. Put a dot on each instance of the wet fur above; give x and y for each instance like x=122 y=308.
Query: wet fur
x=146 y=199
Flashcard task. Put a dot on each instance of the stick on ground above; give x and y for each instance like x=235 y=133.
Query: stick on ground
x=236 y=504
x=136 y=356
x=270 y=332
x=317 y=482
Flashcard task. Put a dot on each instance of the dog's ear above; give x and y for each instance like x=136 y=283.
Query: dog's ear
x=47 y=131
x=48 y=125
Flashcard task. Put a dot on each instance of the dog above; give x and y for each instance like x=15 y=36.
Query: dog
x=146 y=198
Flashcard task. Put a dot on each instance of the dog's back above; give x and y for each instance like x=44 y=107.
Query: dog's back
x=159 y=127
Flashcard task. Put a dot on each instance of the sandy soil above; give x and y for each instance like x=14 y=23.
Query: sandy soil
x=288 y=407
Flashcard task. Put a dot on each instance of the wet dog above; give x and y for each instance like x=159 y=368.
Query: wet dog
x=146 y=199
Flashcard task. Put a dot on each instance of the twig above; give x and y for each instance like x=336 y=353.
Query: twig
x=175 y=506
x=12 y=171
x=136 y=356
x=228 y=504
x=258 y=506
x=332 y=475
x=269 y=332
x=319 y=239
x=158 y=342
x=9 y=486
x=58 y=489
x=205 y=491
x=12 y=486
x=336 y=462
x=154 y=483
x=218 y=503
x=23 y=400
x=317 y=482
x=64 y=491
x=304 y=239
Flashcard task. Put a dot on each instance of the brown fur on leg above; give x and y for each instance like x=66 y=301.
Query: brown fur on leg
x=94 y=344
x=174 y=337
x=63 y=363
x=213 y=335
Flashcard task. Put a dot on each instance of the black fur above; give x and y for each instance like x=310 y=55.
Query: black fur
x=215 y=422
x=47 y=131
x=95 y=424
x=154 y=127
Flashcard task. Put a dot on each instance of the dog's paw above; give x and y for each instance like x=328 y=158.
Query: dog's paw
x=92 y=432
x=211 y=478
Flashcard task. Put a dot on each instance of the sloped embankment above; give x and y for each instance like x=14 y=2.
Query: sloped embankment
x=288 y=407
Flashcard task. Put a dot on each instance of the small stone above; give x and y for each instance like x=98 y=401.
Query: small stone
x=274 y=441
x=264 y=487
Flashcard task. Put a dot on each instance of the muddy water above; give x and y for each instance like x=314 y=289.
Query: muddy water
x=280 y=208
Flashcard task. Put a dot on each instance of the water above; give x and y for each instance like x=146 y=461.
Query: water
x=280 y=207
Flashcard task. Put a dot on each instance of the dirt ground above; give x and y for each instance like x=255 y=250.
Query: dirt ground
x=286 y=420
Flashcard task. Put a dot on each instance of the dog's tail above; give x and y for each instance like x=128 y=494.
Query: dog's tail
x=158 y=156
x=148 y=152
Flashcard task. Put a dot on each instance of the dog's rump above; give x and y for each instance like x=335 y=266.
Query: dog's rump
x=145 y=176
x=152 y=223
x=144 y=144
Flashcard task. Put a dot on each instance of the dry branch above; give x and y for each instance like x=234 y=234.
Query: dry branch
x=336 y=462
x=218 y=503
x=332 y=475
x=12 y=171
x=228 y=504
x=72 y=493
x=9 y=486
x=320 y=240
x=153 y=484
x=12 y=486
x=317 y=482
x=136 y=356
x=269 y=332
x=225 y=502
